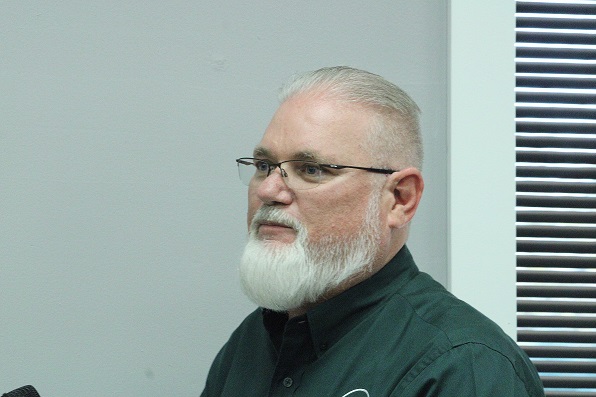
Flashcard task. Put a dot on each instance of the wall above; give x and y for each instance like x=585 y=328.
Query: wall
x=482 y=157
x=121 y=215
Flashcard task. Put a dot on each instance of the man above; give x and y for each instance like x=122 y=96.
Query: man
x=332 y=188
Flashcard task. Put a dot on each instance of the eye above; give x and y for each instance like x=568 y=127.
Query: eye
x=311 y=170
x=262 y=166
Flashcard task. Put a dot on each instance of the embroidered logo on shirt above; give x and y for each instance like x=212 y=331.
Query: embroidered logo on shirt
x=357 y=393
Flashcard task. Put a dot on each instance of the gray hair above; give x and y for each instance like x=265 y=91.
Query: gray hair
x=395 y=137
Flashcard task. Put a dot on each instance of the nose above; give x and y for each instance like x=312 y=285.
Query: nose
x=272 y=168
x=273 y=189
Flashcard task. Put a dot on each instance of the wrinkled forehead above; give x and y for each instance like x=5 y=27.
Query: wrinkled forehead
x=262 y=152
x=307 y=127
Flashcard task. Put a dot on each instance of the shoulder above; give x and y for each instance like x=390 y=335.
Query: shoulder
x=458 y=321
x=467 y=343
x=247 y=331
x=474 y=369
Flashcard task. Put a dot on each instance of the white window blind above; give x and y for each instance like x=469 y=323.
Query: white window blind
x=556 y=191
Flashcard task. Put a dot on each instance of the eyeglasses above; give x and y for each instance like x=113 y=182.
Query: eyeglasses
x=298 y=174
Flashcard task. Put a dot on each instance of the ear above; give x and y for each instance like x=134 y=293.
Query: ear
x=406 y=187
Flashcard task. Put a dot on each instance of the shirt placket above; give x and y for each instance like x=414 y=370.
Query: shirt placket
x=295 y=353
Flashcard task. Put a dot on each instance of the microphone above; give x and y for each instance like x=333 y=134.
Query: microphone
x=25 y=391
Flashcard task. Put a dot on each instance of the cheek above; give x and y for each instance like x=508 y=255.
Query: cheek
x=339 y=218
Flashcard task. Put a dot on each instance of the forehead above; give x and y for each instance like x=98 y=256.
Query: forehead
x=316 y=128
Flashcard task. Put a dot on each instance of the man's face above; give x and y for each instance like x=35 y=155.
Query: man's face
x=309 y=245
x=328 y=132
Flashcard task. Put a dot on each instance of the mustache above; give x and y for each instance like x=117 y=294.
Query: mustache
x=267 y=214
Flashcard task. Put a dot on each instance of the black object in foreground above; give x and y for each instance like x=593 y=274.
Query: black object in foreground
x=25 y=391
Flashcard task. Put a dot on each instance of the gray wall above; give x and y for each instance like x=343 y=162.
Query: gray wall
x=121 y=216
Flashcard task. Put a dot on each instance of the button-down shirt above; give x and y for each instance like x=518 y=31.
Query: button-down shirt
x=397 y=333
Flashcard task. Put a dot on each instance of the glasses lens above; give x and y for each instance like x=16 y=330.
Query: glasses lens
x=297 y=174
x=246 y=170
x=302 y=175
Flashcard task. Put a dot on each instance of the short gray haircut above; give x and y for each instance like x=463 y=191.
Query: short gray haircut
x=395 y=137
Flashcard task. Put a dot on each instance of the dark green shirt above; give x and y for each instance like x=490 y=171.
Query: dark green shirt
x=398 y=333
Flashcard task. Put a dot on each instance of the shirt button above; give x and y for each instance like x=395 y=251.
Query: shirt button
x=287 y=382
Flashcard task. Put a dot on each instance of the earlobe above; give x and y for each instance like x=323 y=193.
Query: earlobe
x=407 y=186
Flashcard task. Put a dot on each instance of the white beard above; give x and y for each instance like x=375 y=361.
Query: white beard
x=283 y=277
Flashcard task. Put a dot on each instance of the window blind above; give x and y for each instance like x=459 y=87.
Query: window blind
x=556 y=191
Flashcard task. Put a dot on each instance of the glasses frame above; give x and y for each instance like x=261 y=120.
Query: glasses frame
x=272 y=166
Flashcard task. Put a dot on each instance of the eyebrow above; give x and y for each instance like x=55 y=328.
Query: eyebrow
x=306 y=155
x=261 y=152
